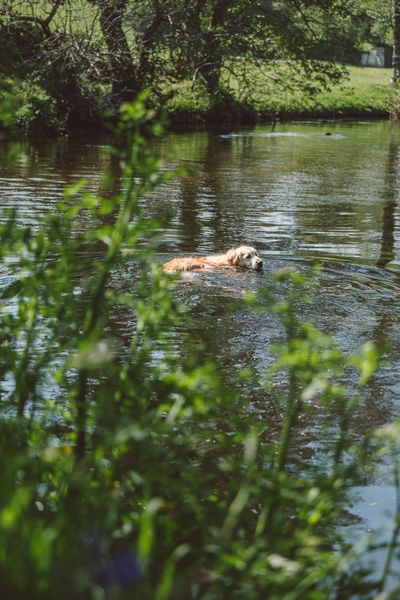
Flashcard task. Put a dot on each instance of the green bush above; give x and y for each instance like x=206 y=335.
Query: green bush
x=128 y=473
x=27 y=107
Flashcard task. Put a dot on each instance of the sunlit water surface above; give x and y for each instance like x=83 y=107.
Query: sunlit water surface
x=301 y=193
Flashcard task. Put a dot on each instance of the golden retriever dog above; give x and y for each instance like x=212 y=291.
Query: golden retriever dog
x=244 y=257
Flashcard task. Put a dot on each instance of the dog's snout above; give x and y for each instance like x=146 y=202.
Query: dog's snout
x=258 y=264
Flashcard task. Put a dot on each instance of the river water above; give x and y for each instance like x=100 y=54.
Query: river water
x=300 y=193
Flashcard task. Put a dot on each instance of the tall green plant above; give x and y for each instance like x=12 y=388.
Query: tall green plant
x=130 y=473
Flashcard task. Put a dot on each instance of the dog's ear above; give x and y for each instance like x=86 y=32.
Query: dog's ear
x=232 y=256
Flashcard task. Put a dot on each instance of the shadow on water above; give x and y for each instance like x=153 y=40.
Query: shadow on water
x=390 y=193
x=301 y=197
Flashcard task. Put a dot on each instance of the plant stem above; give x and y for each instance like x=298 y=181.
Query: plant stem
x=21 y=388
x=94 y=310
x=292 y=410
x=396 y=530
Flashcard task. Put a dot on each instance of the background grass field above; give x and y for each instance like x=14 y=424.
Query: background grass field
x=365 y=91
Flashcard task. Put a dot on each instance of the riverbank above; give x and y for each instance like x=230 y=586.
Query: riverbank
x=365 y=93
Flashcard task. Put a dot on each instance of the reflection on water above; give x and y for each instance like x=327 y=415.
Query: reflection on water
x=301 y=193
x=307 y=194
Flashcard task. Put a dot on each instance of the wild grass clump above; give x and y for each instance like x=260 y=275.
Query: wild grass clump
x=128 y=473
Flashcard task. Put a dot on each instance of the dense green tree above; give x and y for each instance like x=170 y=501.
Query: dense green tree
x=45 y=46
x=208 y=37
x=89 y=54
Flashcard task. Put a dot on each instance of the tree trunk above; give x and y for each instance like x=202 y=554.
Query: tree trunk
x=396 y=41
x=146 y=67
x=124 y=81
x=211 y=70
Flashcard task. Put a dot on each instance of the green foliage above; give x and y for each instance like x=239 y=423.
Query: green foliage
x=206 y=59
x=128 y=473
x=26 y=106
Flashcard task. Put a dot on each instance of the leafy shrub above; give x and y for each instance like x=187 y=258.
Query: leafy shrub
x=27 y=107
x=130 y=474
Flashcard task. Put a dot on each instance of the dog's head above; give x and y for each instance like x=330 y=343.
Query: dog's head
x=245 y=257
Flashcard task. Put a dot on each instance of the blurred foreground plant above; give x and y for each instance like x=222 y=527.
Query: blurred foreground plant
x=128 y=473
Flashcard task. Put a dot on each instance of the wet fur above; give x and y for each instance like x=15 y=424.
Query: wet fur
x=243 y=257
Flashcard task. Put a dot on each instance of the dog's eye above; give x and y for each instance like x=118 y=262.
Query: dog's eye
x=247 y=255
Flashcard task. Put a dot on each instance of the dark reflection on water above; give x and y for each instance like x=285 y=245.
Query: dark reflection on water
x=390 y=202
x=296 y=193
